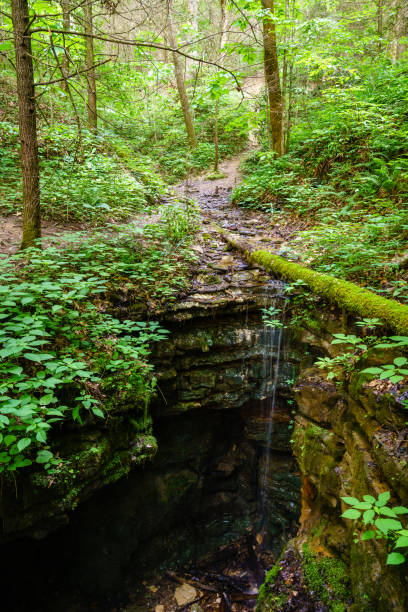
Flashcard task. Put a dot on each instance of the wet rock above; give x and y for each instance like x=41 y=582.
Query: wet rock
x=185 y=594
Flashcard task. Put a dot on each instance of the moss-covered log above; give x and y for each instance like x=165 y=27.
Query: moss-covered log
x=351 y=297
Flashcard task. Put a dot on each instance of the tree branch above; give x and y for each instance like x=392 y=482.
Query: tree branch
x=73 y=74
x=146 y=44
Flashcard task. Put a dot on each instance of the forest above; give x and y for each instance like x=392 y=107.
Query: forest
x=204 y=305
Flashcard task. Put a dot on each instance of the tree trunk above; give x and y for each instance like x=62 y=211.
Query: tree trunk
x=398 y=47
x=193 y=10
x=27 y=123
x=289 y=110
x=380 y=23
x=90 y=62
x=223 y=24
x=216 y=153
x=285 y=78
x=181 y=87
x=271 y=68
x=66 y=22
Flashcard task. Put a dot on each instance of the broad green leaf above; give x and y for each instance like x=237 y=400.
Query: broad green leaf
x=44 y=456
x=369 y=498
x=39 y=357
x=368 y=535
x=351 y=513
x=368 y=516
x=388 y=524
x=372 y=371
x=363 y=506
x=351 y=501
x=388 y=512
x=383 y=498
x=23 y=443
x=395 y=558
x=402 y=542
x=9 y=439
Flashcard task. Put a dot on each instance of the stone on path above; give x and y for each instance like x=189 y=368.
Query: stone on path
x=185 y=594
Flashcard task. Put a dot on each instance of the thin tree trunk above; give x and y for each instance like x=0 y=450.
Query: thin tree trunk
x=66 y=21
x=380 y=24
x=400 y=29
x=27 y=123
x=289 y=111
x=216 y=152
x=90 y=62
x=271 y=67
x=223 y=23
x=181 y=87
x=285 y=78
x=192 y=7
x=193 y=10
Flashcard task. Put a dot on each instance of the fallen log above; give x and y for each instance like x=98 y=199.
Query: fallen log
x=346 y=295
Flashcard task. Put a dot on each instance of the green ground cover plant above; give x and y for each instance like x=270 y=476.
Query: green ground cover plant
x=61 y=350
x=382 y=522
x=346 y=177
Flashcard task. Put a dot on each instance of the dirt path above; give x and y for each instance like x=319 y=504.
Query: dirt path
x=222 y=274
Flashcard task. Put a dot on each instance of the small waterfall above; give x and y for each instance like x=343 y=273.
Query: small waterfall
x=273 y=335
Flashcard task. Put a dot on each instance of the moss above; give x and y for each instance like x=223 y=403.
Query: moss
x=351 y=297
x=328 y=578
x=265 y=596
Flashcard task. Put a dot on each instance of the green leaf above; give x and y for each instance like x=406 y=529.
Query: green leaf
x=400 y=510
x=98 y=412
x=383 y=498
x=369 y=498
x=44 y=456
x=388 y=524
x=351 y=501
x=38 y=356
x=388 y=512
x=395 y=558
x=363 y=506
x=41 y=436
x=23 y=443
x=402 y=542
x=351 y=513
x=368 y=535
x=9 y=440
x=396 y=379
x=372 y=371
x=400 y=361
x=368 y=516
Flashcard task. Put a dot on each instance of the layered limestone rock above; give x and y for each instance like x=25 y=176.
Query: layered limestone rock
x=350 y=439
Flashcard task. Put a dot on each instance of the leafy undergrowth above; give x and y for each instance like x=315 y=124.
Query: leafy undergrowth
x=347 y=179
x=164 y=137
x=104 y=182
x=64 y=355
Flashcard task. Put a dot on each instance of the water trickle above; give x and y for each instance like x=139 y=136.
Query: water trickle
x=273 y=335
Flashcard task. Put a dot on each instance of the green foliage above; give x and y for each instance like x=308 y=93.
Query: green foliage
x=346 y=362
x=383 y=521
x=270 y=317
x=60 y=350
x=346 y=175
x=92 y=186
x=395 y=372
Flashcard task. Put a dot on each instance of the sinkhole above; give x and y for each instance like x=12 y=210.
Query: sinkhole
x=216 y=504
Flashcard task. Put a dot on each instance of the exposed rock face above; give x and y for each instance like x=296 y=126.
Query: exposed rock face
x=202 y=488
x=350 y=439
